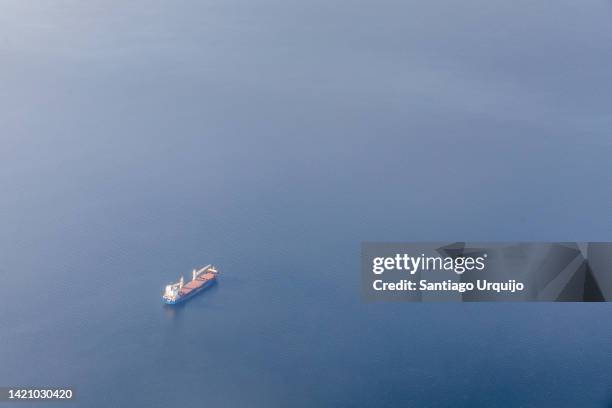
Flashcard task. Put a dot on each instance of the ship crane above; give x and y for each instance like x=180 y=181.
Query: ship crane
x=200 y=279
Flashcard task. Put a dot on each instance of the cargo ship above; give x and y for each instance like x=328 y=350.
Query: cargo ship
x=201 y=279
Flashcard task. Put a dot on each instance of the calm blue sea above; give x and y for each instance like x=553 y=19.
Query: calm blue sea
x=141 y=139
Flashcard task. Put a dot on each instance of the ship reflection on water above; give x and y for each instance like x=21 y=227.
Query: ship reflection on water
x=171 y=312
